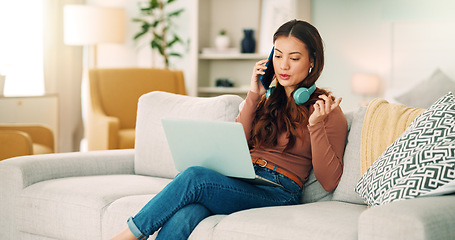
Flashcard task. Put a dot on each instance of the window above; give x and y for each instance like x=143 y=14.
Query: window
x=21 y=47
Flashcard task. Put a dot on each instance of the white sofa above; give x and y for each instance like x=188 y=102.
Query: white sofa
x=91 y=195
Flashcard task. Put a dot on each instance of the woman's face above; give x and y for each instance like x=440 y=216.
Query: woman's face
x=291 y=62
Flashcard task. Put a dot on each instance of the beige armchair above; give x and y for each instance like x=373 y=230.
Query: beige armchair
x=114 y=94
x=25 y=139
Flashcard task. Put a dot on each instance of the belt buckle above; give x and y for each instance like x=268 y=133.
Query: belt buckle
x=265 y=163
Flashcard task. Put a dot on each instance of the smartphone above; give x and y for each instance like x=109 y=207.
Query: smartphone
x=269 y=74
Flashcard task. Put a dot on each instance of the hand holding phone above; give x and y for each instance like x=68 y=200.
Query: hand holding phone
x=269 y=73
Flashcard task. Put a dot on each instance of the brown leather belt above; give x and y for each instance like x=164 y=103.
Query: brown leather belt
x=271 y=166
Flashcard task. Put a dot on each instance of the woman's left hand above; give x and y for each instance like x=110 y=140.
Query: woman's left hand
x=322 y=108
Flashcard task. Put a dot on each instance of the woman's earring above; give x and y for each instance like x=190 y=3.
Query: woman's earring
x=310 y=70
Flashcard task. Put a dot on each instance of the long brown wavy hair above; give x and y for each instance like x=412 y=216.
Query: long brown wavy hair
x=278 y=113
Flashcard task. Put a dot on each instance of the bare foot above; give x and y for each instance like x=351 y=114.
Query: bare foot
x=125 y=235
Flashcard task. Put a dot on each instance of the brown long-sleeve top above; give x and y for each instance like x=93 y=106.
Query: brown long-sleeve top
x=322 y=147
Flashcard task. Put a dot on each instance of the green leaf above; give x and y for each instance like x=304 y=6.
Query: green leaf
x=138 y=20
x=155 y=23
x=153 y=44
x=145 y=28
x=166 y=28
x=175 y=54
x=143 y=9
x=146 y=9
x=175 y=40
x=154 y=4
x=156 y=36
x=170 y=1
x=175 y=13
x=156 y=45
x=138 y=35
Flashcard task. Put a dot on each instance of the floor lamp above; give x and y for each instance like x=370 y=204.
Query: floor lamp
x=88 y=26
x=91 y=25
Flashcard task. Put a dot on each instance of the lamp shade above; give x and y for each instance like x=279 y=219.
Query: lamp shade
x=88 y=25
x=365 y=84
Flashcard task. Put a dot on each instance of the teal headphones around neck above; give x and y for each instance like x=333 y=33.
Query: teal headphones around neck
x=301 y=95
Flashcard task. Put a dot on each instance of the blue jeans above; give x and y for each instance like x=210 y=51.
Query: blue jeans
x=197 y=193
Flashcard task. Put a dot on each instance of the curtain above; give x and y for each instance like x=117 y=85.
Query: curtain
x=63 y=68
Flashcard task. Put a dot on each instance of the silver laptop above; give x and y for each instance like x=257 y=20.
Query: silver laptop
x=220 y=146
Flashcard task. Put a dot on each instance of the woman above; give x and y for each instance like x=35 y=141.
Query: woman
x=286 y=141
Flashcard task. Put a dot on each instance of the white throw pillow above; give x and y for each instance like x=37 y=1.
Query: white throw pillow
x=420 y=161
x=152 y=154
x=424 y=94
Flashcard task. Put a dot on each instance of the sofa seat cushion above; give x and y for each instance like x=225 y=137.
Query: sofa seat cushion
x=126 y=138
x=204 y=230
x=321 y=220
x=72 y=208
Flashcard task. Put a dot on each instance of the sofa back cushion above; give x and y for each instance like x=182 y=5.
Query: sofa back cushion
x=345 y=191
x=313 y=191
x=153 y=156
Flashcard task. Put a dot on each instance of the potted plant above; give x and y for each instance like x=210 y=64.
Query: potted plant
x=157 y=22
x=222 y=41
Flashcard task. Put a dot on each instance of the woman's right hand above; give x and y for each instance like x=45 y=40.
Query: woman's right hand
x=258 y=70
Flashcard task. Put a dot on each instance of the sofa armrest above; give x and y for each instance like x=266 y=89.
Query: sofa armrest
x=20 y=172
x=419 y=218
x=27 y=170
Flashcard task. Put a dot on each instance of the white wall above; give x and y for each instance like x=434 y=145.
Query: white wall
x=358 y=37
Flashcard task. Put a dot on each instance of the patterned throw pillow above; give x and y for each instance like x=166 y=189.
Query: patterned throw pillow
x=419 y=162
